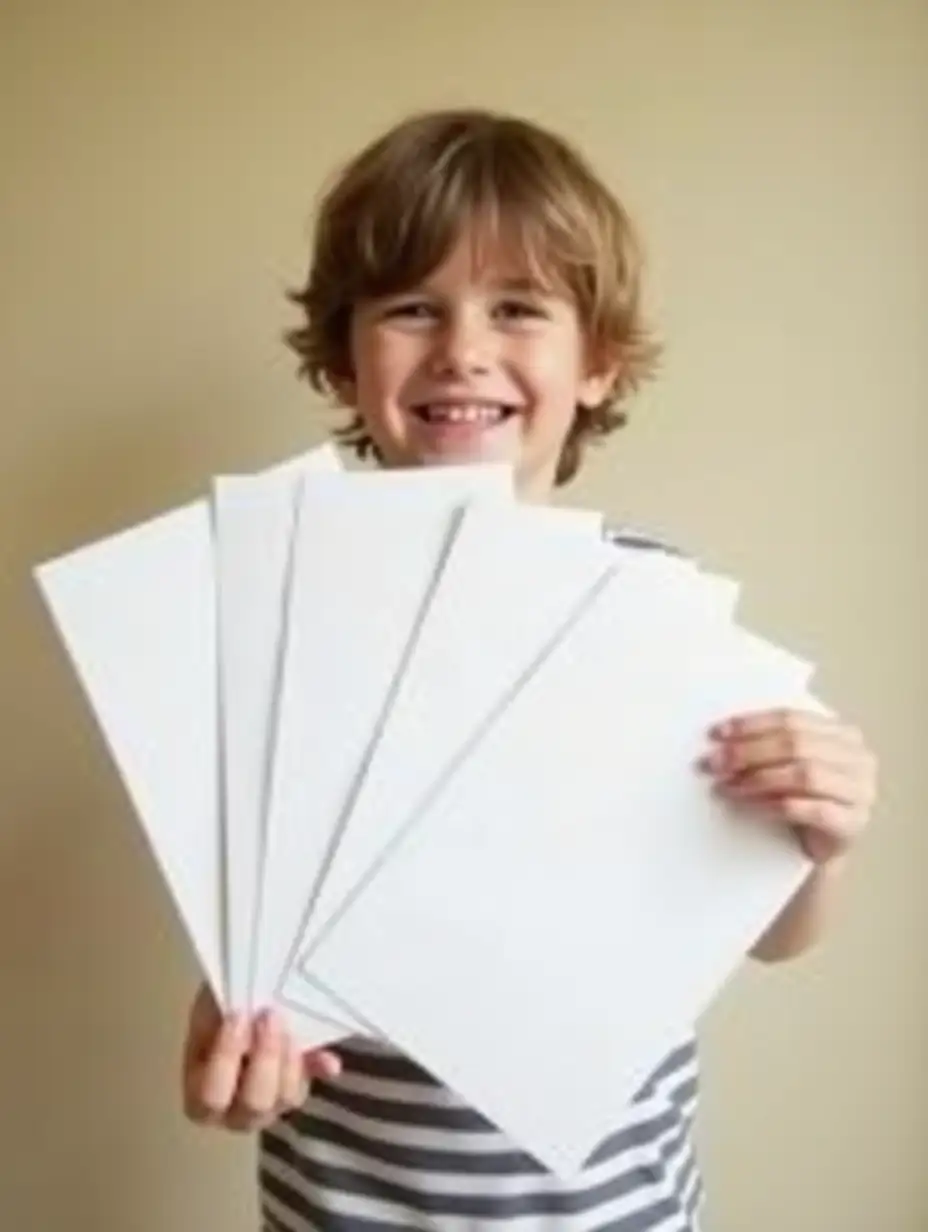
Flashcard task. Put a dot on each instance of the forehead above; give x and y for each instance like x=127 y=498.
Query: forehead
x=503 y=258
x=480 y=260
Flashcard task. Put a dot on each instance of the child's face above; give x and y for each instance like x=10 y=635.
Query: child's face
x=476 y=364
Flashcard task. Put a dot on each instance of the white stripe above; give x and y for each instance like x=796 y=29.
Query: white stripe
x=665 y=1099
x=654 y=1194
x=472 y=1142
x=678 y=1160
x=692 y=1185
x=679 y=1077
x=442 y=1100
x=700 y=1207
x=633 y=1203
x=428 y=1137
x=398 y=1091
x=685 y=1071
x=283 y=1214
x=687 y=1108
x=440 y=1097
x=368 y=1046
x=430 y=1092
x=468 y=1185
x=358 y=1207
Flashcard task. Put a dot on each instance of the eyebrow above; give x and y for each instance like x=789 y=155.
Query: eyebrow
x=523 y=283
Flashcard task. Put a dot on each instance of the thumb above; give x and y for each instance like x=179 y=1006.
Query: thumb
x=322 y=1063
x=818 y=846
x=203 y=1024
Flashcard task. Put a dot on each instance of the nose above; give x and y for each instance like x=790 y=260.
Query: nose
x=463 y=348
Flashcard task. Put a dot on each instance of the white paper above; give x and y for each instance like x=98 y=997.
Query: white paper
x=512 y=582
x=136 y=613
x=366 y=552
x=253 y=520
x=448 y=701
x=576 y=890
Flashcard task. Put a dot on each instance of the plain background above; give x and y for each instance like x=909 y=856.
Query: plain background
x=159 y=165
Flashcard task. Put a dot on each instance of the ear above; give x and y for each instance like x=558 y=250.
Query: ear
x=346 y=391
x=602 y=372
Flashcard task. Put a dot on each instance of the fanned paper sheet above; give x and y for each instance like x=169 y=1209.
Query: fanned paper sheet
x=417 y=761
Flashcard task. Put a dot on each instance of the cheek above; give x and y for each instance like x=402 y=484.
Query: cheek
x=553 y=377
x=382 y=369
x=395 y=360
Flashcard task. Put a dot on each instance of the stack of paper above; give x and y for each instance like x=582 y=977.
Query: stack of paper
x=418 y=761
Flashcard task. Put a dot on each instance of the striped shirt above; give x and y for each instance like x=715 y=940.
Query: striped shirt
x=386 y=1147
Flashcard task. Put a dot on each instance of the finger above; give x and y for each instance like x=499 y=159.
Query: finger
x=212 y=1084
x=801 y=780
x=834 y=825
x=294 y=1083
x=780 y=747
x=202 y=1027
x=259 y=1086
x=794 y=720
x=323 y=1064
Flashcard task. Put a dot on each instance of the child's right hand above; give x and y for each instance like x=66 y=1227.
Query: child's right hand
x=243 y=1075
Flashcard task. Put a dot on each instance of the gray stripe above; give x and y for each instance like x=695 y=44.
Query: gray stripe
x=625 y=538
x=391 y=1067
x=672 y=1148
x=681 y=1056
x=504 y=1162
x=684 y=1176
x=348 y=1181
x=394 y=1067
x=696 y=1197
x=318 y=1218
x=644 y=1220
x=424 y=1116
x=682 y=1096
x=638 y=1134
x=270 y=1222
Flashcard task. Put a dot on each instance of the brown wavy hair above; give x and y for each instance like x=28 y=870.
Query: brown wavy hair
x=391 y=216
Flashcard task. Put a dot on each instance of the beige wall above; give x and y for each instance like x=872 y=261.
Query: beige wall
x=158 y=166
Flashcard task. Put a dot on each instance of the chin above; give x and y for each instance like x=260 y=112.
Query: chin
x=450 y=457
x=499 y=451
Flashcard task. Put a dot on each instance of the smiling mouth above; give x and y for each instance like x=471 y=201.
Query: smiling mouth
x=466 y=414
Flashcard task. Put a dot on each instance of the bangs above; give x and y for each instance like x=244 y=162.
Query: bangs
x=511 y=205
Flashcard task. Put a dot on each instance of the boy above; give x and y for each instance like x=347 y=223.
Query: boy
x=474 y=295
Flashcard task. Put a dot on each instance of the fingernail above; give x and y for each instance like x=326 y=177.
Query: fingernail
x=237 y=1024
x=270 y=1027
x=713 y=762
x=327 y=1064
x=729 y=787
x=333 y=1065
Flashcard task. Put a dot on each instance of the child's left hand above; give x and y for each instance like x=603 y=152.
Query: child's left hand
x=815 y=773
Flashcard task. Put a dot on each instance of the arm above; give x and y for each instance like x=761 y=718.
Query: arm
x=813 y=775
x=803 y=920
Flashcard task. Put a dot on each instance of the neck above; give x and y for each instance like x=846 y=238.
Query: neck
x=535 y=489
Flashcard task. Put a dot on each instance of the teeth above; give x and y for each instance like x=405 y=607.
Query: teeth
x=470 y=413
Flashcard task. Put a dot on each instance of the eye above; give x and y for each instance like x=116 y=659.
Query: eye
x=518 y=310
x=411 y=309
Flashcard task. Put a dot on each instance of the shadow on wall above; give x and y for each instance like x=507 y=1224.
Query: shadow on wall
x=96 y=969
